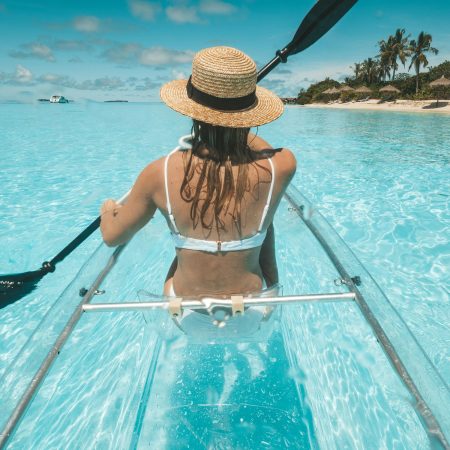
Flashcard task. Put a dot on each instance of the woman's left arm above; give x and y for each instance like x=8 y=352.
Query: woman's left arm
x=119 y=223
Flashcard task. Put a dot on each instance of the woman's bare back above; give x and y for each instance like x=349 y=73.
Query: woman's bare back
x=202 y=273
x=197 y=272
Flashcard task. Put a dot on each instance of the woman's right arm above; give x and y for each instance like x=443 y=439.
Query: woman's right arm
x=120 y=222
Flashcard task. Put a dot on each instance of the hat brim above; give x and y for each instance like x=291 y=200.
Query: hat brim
x=267 y=107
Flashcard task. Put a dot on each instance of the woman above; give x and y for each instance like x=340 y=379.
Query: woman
x=219 y=198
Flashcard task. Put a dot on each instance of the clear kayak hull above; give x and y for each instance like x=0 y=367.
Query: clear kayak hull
x=345 y=374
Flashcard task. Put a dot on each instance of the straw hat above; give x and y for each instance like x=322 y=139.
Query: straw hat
x=222 y=91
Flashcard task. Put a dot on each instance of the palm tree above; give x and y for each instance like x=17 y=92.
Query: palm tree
x=418 y=49
x=399 y=49
x=357 y=69
x=385 y=58
x=369 y=70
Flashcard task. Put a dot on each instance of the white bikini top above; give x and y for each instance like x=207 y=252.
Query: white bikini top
x=217 y=246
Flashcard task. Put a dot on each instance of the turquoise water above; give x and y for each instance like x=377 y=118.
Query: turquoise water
x=379 y=178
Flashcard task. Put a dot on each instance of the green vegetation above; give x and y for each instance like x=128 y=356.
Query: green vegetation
x=375 y=72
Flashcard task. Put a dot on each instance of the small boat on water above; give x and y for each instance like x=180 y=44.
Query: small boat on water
x=58 y=99
x=335 y=366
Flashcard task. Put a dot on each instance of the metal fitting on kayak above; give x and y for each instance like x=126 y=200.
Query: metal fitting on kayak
x=356 y=280
x=237 y=305
x=175 y=307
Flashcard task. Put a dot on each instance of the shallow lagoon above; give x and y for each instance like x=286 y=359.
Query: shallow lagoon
x=378 y=177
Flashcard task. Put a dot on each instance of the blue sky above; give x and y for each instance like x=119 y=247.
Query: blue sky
x=127 y=49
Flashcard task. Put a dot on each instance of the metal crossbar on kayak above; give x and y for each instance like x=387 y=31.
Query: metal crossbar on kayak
x=210 y=302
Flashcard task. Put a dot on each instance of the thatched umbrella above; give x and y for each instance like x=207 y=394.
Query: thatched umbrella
x=440 y=83
x=346 y=90
x=331 y=91
x=390 y=88
x=363 y=90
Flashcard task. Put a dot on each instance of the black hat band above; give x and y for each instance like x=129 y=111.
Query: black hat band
x=224 y=104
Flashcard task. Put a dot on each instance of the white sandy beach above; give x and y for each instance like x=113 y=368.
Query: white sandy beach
x=420 y=106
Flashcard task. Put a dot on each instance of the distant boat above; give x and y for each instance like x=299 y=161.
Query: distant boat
x=58 y=99
x=116 y=101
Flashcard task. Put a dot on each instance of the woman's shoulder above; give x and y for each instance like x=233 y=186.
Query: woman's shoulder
x=154 y=168
x=285 y=160
x=283 y=157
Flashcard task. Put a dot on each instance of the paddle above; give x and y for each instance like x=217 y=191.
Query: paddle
x=321 y=18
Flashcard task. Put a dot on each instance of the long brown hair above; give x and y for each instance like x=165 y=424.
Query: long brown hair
x=214 y=148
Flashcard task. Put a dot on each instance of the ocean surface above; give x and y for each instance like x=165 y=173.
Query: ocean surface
x=381 y=180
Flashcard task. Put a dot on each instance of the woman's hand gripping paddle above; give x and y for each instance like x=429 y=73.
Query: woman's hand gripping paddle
x=321 y=18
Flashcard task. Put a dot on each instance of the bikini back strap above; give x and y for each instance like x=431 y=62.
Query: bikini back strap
x=166 y=185
x=269 y=197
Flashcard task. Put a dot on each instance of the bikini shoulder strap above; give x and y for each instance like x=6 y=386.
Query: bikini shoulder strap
x=166 y=185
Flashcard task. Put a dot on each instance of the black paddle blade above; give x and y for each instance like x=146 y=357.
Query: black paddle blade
x=15 y=286
x=322 y=17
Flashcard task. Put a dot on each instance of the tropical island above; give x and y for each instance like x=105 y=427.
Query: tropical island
x=376 y=83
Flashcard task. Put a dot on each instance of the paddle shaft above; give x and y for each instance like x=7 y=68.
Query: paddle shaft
x=281 y=56
x=69 y=248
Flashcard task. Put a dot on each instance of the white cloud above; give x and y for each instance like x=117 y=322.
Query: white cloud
x=179 y=75
x=86 y=24
x=98 y=84
x=145 y=84
x=34 y=50
x=130 y=53
x=42 y=51
x=49 y=78
x=159 y=56
x=144 y=10
x=23 y=75
x=121 y=53
x=71 y=45
x=216 y=7
x=182 y=14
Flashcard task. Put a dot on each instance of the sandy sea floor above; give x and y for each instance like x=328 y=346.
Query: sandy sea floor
x=420 y=106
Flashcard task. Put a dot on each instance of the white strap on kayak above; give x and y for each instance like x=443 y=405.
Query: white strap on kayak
x=237 y=305
x=175 y=309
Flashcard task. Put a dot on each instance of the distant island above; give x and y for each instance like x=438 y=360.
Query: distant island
x=116 y=101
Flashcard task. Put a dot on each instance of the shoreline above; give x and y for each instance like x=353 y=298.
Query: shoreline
x=416 y=106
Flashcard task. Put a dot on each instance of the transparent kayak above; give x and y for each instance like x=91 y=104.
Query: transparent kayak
x=334 y=366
